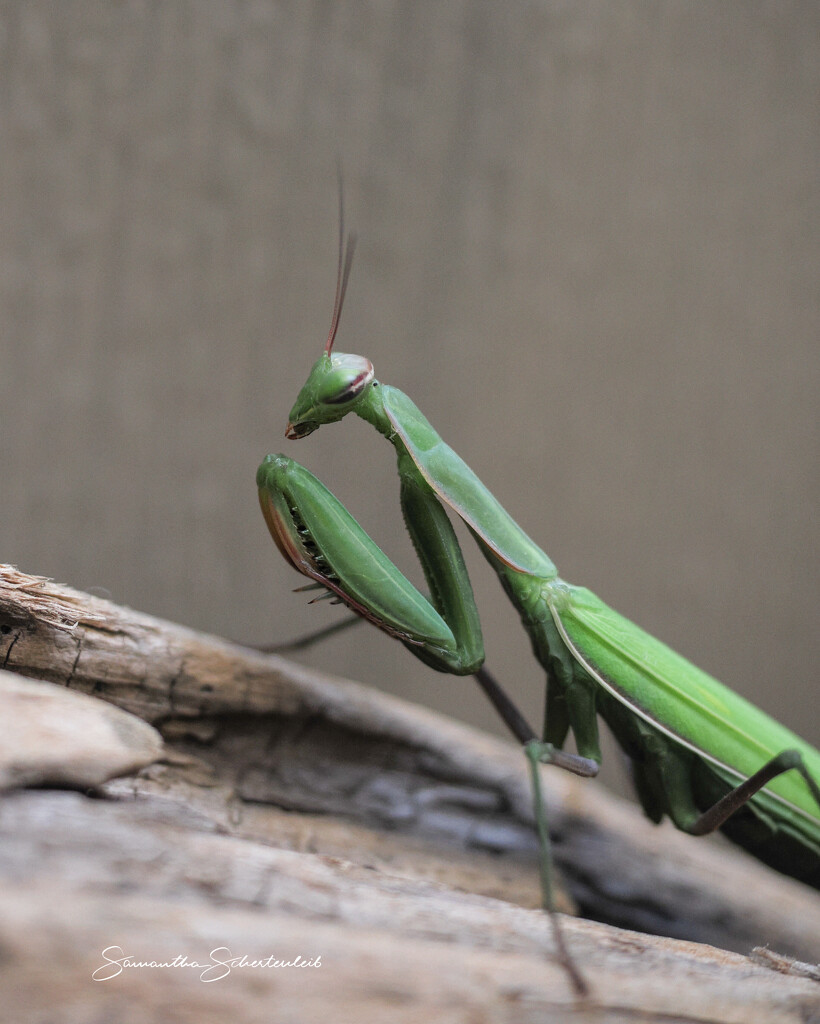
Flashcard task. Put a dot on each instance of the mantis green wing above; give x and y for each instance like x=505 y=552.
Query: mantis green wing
x=707 y=739
x=691 y=707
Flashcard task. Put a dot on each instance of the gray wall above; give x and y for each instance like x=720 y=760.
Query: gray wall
x=588 y=250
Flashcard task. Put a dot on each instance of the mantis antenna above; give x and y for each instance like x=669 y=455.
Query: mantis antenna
x=343 y=270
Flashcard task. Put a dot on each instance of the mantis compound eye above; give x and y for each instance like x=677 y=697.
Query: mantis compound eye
x=349 y=375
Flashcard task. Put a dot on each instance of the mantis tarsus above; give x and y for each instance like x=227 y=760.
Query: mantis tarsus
x=701 y=754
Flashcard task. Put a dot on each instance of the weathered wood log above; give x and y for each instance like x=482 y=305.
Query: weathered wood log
x=292 y=812
x=96 y=881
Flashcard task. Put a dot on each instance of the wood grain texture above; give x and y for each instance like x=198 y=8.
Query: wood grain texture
x=121 y=879
x=296 y=813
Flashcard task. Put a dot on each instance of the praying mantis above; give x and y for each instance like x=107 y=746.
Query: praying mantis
x=700 y=753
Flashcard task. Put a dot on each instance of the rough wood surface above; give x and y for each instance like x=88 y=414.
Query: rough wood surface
x=295 y=813
x=119 y=877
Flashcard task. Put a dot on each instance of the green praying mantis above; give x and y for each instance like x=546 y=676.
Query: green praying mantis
x=700 y=754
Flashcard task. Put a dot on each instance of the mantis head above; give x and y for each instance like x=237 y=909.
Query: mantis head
x=335 y=384
x=336 y=380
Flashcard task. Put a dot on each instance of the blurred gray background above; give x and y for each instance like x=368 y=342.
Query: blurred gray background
x=588 y=249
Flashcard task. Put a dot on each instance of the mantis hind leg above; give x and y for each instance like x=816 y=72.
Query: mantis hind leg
x=720 y=812
x=539 y=753
x=534 y=752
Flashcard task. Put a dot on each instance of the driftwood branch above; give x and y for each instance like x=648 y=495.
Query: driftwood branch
x=290 y=812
